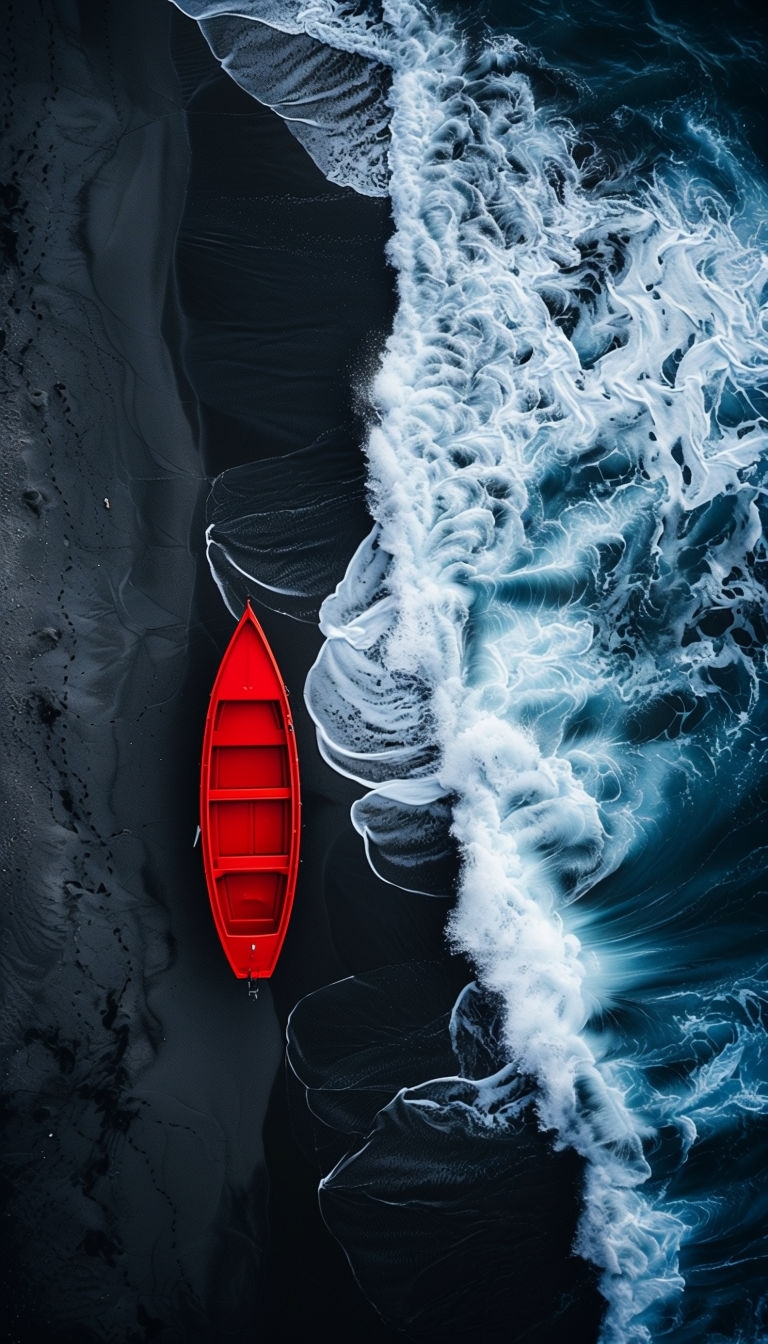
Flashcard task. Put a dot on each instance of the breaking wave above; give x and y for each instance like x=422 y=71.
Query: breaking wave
x=546 y=662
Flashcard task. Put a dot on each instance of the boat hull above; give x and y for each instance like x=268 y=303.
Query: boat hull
x=250 y=808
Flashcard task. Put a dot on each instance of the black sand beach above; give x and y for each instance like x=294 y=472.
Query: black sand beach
x=186 y=294
x=137 y=1074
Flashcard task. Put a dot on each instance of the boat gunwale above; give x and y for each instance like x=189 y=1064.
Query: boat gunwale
x=258 y=961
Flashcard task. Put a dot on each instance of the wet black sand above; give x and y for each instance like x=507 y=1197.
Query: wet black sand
x=137 y=1075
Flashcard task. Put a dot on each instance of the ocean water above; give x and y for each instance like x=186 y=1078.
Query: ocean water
x=543 y=604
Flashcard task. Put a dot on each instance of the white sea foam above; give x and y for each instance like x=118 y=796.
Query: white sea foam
x=566 y=478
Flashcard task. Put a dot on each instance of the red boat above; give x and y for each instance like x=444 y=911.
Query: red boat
x=250 y=809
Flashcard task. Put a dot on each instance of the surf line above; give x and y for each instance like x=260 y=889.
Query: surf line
x=474 y=622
